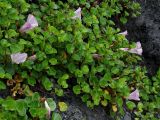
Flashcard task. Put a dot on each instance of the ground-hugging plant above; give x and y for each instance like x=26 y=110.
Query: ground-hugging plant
x=23 y=109
x=149 y=106
x=77 y=53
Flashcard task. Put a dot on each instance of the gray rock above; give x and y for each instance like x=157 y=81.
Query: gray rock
x=146 y=29
x=78 y=110
x=127 y=116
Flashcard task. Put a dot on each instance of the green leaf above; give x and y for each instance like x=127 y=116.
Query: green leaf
x=71 y=67
x=9 y=104
x=36 y=96
x=104 y=103
x=85 y=87
x=49 y=49
x=2 y=72
x=115 y=70
x=78 y=73
x=4 y=43
x=51 y=71
x=77 y=89
x=38 y=112
x=62 y=81
x=21 y=107
x=31 y=81
x=51 y=104
x=63 y=37
x=40 y=55
x=44 y=64
x=11 y=33
x=65 y=77
x=96 y=98
x=123 y=20
x=70 y=48
x=53 y=61
x=76 y=57
x=85 y=69
x=130 y=105
x=47 y=83
x=62 y=106
x=2 y=86
x=15 y=48
x=104 y=81
x=56 y=116
x=23 y=42
x=59 y=92
x=53 y=29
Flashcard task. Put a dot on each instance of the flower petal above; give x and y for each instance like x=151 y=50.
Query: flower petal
x=124 y=49
x=138 y=45
x=30 y=24
x=47 y=108
x=33 y=57
x=124 y=33
x=137 y=50
x=77 y=14
x=96 y=56
x=25 y=27
x=18 y=57
x=32 y=20
x=134 y=96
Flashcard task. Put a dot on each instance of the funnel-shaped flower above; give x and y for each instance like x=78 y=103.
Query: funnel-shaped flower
x=137 y=50
x=134 y=96
x=124 y=33
x=18 y=57
x=77 y=14
x=47 y=108
x=30 y=24
x=33 y=57
x=96 y=56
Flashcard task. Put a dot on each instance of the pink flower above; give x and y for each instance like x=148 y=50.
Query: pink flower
x=33 y=57
x=47 y=108
x=124 y=49
x=30 y=24
x=137 y=50
x=134 y=96
x=96 y=56
x=77 y=14
x=124 y=33
x=18 y=57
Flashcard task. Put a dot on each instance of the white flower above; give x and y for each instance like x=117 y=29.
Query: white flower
x=124 y=33
x=77 y=14
x=137 y=50
x=47 y=108
x=18 y=57
x=30 y=24
x=134 y=96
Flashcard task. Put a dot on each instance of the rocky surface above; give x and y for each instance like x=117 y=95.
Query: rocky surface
x=146 y=29
x=77 y=110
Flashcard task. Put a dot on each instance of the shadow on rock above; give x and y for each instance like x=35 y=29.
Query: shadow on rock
x=77 y=110
x=146 y=29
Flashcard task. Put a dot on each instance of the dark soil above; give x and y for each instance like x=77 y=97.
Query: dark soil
x=146 y=29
